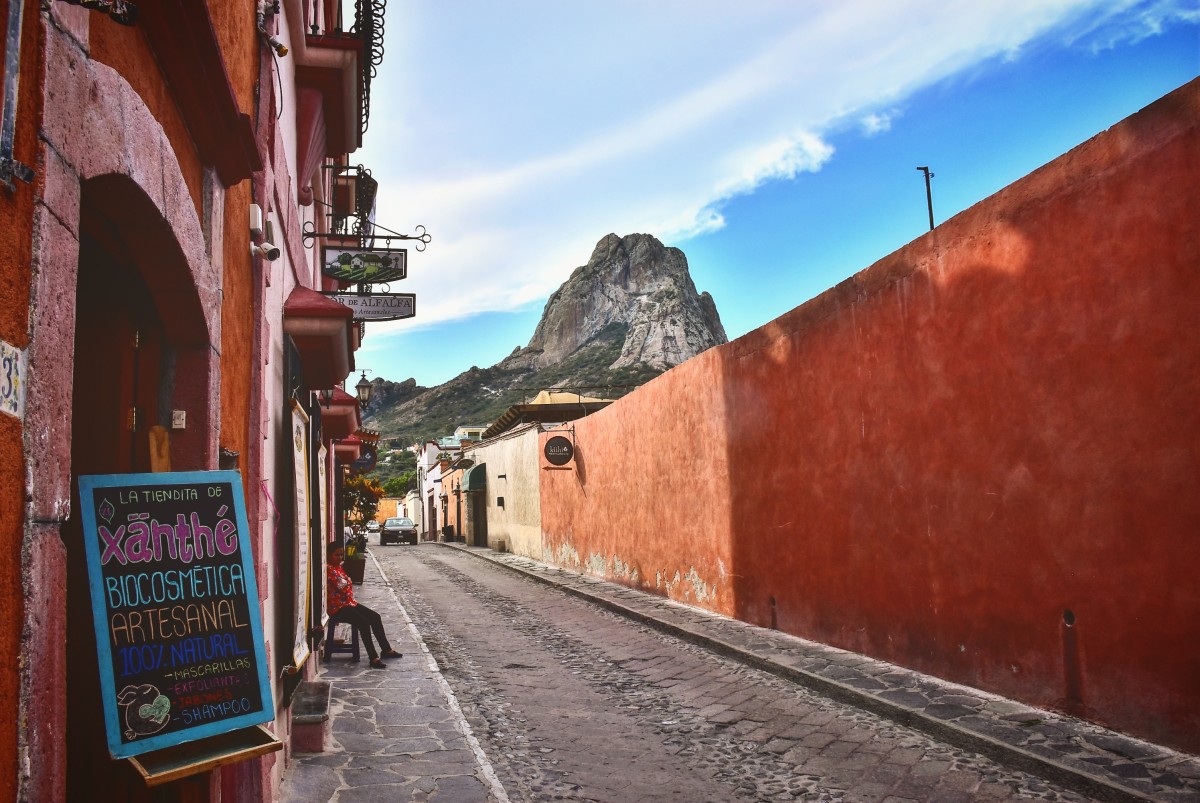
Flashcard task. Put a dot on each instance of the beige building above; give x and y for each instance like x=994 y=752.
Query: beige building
x=502 y=493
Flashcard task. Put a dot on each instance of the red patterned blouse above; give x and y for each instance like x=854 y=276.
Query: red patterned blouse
x=341 y=589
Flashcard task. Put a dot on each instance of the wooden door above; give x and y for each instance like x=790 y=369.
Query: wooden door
x=117 y=383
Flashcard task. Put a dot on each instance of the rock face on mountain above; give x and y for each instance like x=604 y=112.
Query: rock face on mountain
x=636 y=281
x=622 y=319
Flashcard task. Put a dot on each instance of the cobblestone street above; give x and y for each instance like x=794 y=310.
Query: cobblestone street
x=571 y=702
x=538 y=694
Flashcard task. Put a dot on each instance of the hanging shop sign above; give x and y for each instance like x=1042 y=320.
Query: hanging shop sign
x=378 y=306
x=175 y=606
x=367 y=459
x=365 y=265
x=559 y=451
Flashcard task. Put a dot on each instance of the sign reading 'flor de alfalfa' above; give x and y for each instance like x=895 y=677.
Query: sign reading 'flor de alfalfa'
x=175 y=606
x=378 y=306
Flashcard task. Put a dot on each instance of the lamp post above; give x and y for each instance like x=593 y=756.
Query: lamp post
x=928 y=194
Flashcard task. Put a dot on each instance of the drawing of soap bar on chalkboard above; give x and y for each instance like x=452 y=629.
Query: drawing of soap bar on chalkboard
x=175 y=608
x=146 y=710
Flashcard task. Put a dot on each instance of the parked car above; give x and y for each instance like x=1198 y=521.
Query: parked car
x=372 y=526
x=401 y=530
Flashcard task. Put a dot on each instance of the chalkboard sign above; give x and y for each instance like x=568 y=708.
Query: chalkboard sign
x=176 y=607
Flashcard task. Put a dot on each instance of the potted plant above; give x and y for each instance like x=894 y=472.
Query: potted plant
x=355 y=562
x=359 y=498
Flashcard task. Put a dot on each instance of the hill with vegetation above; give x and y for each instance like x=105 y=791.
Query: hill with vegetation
x=622 y=319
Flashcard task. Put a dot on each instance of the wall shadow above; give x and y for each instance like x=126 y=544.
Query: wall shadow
x=992 y=431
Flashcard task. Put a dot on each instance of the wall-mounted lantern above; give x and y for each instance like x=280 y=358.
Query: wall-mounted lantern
x=363 y=389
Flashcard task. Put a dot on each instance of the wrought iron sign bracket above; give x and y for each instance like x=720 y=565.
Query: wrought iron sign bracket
x=422 y=237
x=121 y=12
x=9 y=167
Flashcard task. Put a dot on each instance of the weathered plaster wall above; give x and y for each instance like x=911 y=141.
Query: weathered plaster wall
x=124 y=48
x=234 y=24
x=122 y=158
x=647 y=499
x=453 y=516
x=415 y=510
x=389 y=507
x=239 y=348
x=978 y=457
x=16 y=221
x=518 y=523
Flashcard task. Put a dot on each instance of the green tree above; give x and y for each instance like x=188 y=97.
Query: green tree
x=401 y=484
x=360 y=498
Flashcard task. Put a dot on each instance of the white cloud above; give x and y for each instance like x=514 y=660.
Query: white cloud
x=779 y=159
x=876 y=123
x=520 y=133
x=1132 y=21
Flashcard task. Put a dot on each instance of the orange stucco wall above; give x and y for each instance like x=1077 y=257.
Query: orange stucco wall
x=124 y=48
x=239 y=42
x=977 y=458
x=389 y=507
x=236 y=34
x=238 y=346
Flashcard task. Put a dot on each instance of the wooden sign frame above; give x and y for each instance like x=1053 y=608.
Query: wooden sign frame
x=171 y=553
x=364 y=265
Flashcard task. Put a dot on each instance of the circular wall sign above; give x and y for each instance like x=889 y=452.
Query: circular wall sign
x=559 y=451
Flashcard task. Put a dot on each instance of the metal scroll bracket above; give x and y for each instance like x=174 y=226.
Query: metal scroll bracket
x=422 y=237
x=10 y=168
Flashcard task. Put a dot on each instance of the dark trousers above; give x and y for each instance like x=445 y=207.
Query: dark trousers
x=366 y=622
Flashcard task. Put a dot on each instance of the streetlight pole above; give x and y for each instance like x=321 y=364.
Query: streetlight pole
x=928 y=194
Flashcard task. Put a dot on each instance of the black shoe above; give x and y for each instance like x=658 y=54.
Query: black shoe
x=391 y=654
x=378 y=664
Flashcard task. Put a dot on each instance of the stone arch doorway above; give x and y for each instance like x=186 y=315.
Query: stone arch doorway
x=139 y=331
x=112 y=191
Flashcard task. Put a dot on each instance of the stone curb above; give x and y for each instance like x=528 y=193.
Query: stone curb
x=1092 y=785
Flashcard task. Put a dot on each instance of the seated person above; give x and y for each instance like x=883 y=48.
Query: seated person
x=343 y=608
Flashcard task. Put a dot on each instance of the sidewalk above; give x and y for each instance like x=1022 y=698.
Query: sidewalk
x=1078 y=755
x=398 y=733
x=400 y=729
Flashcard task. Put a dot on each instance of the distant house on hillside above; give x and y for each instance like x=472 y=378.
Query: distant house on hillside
x=469 y=433
x=548 y=407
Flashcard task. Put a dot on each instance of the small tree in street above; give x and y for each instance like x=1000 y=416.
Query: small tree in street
x=360 y=498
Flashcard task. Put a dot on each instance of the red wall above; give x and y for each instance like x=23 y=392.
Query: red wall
x=935 y=460
x=16 y=216
x=125 y=49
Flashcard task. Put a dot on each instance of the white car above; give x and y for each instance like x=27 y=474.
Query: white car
x=372 y=526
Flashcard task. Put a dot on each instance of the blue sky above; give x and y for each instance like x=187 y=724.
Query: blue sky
x=775 y=143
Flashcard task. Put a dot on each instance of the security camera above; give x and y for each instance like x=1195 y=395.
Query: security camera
x=267 y=251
